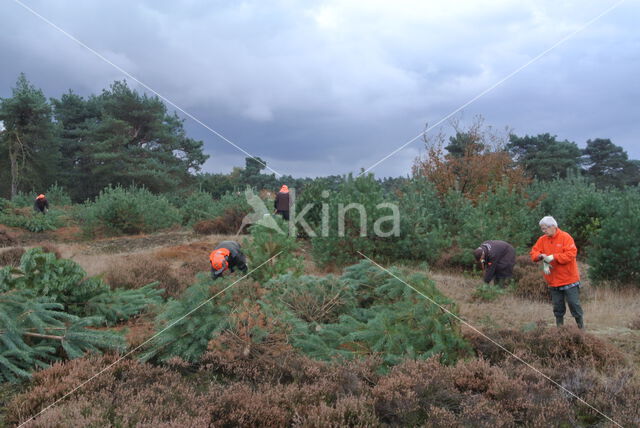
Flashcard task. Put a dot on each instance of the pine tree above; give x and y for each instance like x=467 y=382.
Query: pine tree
x=49 y=311
x=35 y=331
x=67 y=283
x=268 y=242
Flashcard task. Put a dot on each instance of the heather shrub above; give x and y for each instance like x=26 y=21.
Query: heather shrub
x=6 y=238
x=228 y=223
x=136 y=271
x=128 y=394
x=127 y=211
x=11 y=256
x=529 y=280
x=471 y=393
x=550 y=348
x=347 y=411
x=208 y=227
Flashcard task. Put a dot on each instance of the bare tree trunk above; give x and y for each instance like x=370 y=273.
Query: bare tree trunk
x=13 y=156
x=15 y=149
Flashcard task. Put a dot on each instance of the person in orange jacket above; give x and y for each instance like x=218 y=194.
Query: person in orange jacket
x=41 y=204
x=281 y=203
x=557 y=251
x=227 y=255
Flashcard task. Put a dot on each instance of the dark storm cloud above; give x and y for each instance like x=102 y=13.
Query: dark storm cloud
x=330 y=87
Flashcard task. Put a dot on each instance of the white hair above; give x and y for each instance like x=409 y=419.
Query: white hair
x=548 y=221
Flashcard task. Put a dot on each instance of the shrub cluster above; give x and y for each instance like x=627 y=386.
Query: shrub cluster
x=122 y=211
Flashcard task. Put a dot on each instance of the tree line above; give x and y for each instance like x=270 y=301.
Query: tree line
x=122 y=137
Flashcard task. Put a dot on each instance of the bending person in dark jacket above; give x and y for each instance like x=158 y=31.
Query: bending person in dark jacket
x=497 y=259
x=41 y=204
x=227 y=255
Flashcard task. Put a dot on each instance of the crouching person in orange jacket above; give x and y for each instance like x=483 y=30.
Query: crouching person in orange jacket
x=557 y=251
x=227 y=255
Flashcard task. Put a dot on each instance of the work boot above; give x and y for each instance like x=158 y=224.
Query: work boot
x=559 y=322
x=580 y=322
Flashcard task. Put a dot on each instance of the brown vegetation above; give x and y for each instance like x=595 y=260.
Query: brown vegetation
x=482 y=166
x=530 y=283
x=7 y=239
x=11 y=256
x=137 y=270
x=228 y=223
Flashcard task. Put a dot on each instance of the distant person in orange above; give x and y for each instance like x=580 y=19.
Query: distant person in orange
x=557 y=251
x=227 y=255
x=41 y=204
x=281 y=204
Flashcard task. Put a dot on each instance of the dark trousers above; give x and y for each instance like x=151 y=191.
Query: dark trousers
x=572 y=298
x=284 y=214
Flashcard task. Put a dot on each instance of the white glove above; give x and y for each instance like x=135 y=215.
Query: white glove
x=546 y=267
x=549 y=258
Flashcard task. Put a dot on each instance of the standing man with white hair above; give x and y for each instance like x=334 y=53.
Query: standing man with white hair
x=557 y=251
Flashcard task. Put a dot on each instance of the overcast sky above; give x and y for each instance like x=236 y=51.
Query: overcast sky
x=329 y=87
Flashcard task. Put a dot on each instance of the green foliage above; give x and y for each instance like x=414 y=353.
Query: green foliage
x=56 y=195
x=423 y=228
x=120 y=211
x=578 y=206
x=35 y=331
x=488 y=292
x=31 y=221
x=502 y=214
x=614 y=255
x=197 y=206
x=63 y=281
x=268 y=242
x=543 y=157
x=27 y=139
x=377 y=315
x=608 y=165
x=367 y=226
x=49 y=311
x=187 y=324
x=122 y=137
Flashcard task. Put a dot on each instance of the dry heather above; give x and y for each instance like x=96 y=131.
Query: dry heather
x=530 y=283
x=228 y=223
x=7 y=239
x=11 y=256
x=246 y=389
x=137 y=270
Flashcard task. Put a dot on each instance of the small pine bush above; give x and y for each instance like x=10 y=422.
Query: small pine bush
x=488 y=292
x=127 y=211
x=268 y=242
x=614 y=256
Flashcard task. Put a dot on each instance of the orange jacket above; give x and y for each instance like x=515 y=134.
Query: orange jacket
x=218 y=259
x=564 y=268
